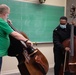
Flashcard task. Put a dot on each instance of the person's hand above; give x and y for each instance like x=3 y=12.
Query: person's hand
x=67 y=48
x=73 y=23
x=29 y=43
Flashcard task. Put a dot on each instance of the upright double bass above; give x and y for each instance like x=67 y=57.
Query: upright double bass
x=31 y=60
x=69 y=67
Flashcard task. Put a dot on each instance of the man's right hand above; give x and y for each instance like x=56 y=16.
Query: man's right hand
x=29 y=43
x=67 y=48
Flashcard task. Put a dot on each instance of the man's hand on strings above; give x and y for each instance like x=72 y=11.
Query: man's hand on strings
x=73 y=23
x=29 y=43
x=67 y=48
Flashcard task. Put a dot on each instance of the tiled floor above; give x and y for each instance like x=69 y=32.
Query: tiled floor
x=50 y=72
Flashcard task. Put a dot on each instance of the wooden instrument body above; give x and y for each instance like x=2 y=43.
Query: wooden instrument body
x=70 y=65
x=71 y=60
x=37 y=65
x=35 y=68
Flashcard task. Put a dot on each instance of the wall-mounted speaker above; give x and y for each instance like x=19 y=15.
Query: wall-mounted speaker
x=42 y=1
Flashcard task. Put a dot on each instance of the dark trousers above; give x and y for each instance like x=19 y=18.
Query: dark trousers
x=0 y=63
x=58 y=61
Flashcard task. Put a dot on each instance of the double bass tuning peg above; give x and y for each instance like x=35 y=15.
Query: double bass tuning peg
x=73 y=8
x=72 y=11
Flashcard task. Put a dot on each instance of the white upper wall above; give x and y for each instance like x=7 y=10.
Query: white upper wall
x=50 y=2
x=56 y=2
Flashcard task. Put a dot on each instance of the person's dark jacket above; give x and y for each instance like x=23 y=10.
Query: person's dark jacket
x=59 y=35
